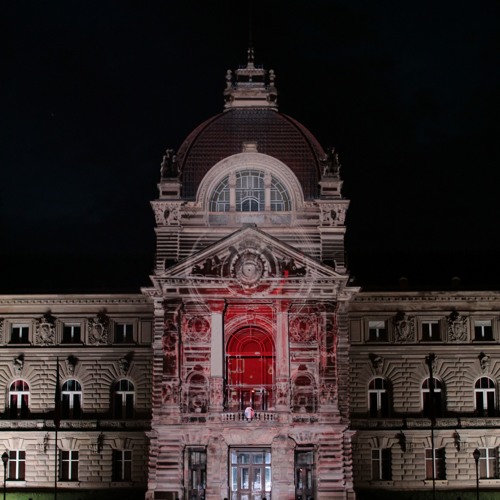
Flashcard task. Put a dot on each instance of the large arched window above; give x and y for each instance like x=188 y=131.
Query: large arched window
x=123 y=399
x=484 y=395
x=71 y=397
x=432 y=398
x=19 y=399
x=250 y=190
x=378 y=397
x=250 y=369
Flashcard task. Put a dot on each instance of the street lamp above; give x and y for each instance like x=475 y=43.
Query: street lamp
x=5 y=459
x=476 y=454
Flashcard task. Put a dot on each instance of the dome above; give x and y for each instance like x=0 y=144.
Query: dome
x=251 y=116
x=274 y=134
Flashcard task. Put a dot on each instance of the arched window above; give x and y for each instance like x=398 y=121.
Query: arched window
x=484 y=395
x=124 y=394
x=250 y=191
x=250 y=369
x=71 y=398
x=19 y=399
x=432 y=399
x=378 y=398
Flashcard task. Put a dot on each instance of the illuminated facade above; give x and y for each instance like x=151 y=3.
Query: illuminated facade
x=250 y=369
x=250 y=351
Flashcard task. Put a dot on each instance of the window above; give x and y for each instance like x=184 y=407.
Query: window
x=72 y=334
x=484 y=394
x=304 y=474
x=378 y=398
x=483 y=330
x=488 y=467
x=19 y=334
x=17 y=465
x=122 y=465
x=124 y=399
x=436 y=464
x=250 y=473
x=431 y=331
x=252 y=192
x=19 y=399
x=197 y=462
x=377 y=331
x=124 y=333
x=381 y=464
x=428 y=399
x=68 y=465
x=71 y=398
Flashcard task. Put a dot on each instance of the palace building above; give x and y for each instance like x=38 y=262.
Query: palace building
x=251 y=368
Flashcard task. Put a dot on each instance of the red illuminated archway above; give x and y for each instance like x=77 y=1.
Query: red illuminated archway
x=250 y=369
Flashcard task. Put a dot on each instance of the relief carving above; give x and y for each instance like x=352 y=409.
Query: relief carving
x=98 y=329
x=302 y=328
x=1 y=330
x=18 y=364
x=196 y=329
x=167 y=213
x=71 y=362
x=45 y=330
x=377 y=362
x=282 y=393
x=484 y=362
x=332 y=214
x=457 y=327
x=404 y=328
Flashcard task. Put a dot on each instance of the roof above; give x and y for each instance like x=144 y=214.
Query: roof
x=275 y=134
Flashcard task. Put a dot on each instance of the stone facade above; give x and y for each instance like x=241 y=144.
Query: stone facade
x=453 y=334
x=83 y=335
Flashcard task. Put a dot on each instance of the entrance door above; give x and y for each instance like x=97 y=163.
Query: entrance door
x=251 y=474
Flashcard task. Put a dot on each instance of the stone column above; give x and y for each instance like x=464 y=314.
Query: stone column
x=282 y=375
x=217 y=356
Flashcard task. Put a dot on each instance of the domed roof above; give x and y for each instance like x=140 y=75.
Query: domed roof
x=274 y=134
x=251 y=116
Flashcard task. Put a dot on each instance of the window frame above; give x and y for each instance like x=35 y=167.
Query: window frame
x=438 y=463
x=485 y=329
x=23 y=399
x=484 y=409
x=426 y=397
x=126 y=335
x=17 y=465
x=73 y=339
x=488 y=463
x=381 y=395
x=123 y=400
x=381 y=464
x=68 y=465
x=378 y=330
x=122 y=465
x=430 y=335
x=71 y=400
x=23 y=334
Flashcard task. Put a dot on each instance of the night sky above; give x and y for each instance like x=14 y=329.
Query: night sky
x=94 y=92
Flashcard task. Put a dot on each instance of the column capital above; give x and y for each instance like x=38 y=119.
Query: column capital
x=216 y=306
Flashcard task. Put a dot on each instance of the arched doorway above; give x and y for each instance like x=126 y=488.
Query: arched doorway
x=250 y=369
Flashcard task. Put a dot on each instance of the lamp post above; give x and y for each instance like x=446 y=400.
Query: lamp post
x=5 y=459
x=476 y=454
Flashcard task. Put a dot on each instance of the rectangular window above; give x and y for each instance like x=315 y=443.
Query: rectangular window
x=377 y=331
x=483 y=330
x=20 y=334
x=488 y=468
x=17 y=465
x=72 y=334
x=124 y=333
x=431 y=331
x=197 y=460
x=381 y=464
x=304 y=474
x=68 y=465
x=437 y=465
x=122 y=465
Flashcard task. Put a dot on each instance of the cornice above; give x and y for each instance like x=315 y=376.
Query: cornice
x=130 y=299
x=368 y=297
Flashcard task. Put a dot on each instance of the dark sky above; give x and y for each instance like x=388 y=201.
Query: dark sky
x=94 y=92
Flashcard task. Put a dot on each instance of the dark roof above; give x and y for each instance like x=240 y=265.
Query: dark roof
x=276 y=135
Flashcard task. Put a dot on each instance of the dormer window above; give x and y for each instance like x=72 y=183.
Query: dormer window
x=250 y=191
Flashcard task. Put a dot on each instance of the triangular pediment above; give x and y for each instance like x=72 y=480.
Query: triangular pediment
x=250 y=261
